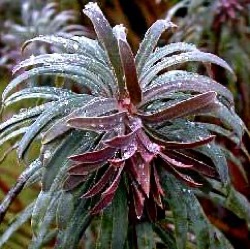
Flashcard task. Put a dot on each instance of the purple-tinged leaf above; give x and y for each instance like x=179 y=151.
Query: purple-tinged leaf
x=143 y=171
x=126 y=153
x=107 y=39
x=150 y=41
x=198 y=166
x=103 y=123
x=167 y=50
x=58 y=129
x=139 y=200
x=145 y=154
x=187 y=145
x=147 y=143
x=99 y=186
x=84 y=168
x=151 y=209
x=108 y=194
x=73 y=181
x=97 y=156
x=102 y=204
x=174 y=162
x=156 y=194
x=96 y=106
x=134 y=123
x=183 y=108
x=186 y=178
x=157 y=181
x=121 y=141
x=146 y=147
x=178 y=80
x=128 y=64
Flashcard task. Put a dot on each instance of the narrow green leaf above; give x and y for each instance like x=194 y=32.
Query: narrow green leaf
x=150 y=41
x=104 y=240
x=82 y=45
x=64 y=210
x=120 y=218
x=145 y=236
x=178 y=80
x=166 y=236
x=107 y=39
x=173 y=194
x=47 y=93
x=39 y=211
x=148 y=75
x=44 y=119
x=167 y=50
x=43 y=216
x=66 y=148
x=69 y=238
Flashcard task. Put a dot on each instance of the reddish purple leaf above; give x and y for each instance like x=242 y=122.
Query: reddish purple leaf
x=84 y=168
x=156 y=189
x=199 y=166
x=151 y=209
x=73 y=181
x=103 y=203
x=103 y=123
x=128 y=64
x=186 y=178
x=97 y=156
x=156 y=180
x=183 y=108
x=143 y=171
x=174 y=162
x=147 y=143
x=108 y=194
x=120 y=141
x=126 y=153
x=99 y=186
x=139 y=200
x=188 y=145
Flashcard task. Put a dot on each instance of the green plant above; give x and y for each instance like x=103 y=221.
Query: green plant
x=119 y=155
x=36 y=21
x=220 y=27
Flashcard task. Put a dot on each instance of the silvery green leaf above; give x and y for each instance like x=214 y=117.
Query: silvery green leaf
x=167 y=50
x=178 y=80
x=47 y=93
x=148 y=75
x=107 y=39
x=149 y=42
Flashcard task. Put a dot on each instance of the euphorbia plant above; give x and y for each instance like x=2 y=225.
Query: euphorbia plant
x=132 y=145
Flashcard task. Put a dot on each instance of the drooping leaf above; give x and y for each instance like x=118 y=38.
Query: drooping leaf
x=181 y=109
x=107 y=39
x=148 y=75
x=150 y=41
